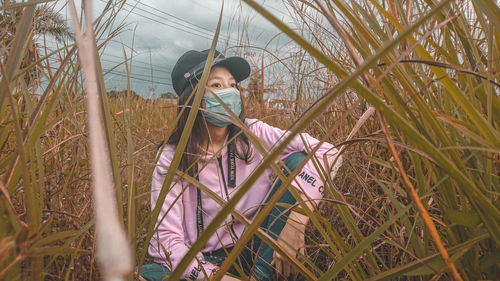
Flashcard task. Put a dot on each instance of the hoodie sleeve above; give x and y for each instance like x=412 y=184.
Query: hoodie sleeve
x=168 y=245
x=308 y=179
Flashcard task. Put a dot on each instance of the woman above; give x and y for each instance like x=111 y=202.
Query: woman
x=222 y=167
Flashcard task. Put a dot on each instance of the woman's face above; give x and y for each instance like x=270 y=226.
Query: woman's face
x=220 y=78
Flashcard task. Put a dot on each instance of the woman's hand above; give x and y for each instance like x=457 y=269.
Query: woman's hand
x=294 y=234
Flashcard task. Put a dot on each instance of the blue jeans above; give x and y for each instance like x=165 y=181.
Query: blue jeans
x=257 y=256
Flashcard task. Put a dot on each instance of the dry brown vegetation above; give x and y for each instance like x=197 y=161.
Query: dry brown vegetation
x=430 y=69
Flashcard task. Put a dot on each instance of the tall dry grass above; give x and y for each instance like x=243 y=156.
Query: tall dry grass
x=429 y=68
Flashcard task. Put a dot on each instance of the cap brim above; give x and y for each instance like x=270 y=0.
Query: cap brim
x=238 y=66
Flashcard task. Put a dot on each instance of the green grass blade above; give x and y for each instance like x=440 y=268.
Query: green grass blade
x=362 y=246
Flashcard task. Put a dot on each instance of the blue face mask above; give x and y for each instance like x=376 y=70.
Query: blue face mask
x=230 y=97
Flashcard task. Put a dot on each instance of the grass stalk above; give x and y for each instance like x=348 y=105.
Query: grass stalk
x=429 y=68
x=113 y=250
x=416 y=199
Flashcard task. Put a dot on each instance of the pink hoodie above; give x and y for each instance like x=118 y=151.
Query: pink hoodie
x=178 y=230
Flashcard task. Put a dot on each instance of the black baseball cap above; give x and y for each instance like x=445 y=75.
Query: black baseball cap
x=191 y=64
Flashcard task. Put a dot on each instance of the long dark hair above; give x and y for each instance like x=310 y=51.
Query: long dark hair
x=199 y=133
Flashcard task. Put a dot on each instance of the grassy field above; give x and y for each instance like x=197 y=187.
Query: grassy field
x=416 y=199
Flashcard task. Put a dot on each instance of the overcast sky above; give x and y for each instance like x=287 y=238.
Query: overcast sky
x=165 y=29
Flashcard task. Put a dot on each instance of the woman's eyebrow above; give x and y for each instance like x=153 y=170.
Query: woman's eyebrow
x=219 y=77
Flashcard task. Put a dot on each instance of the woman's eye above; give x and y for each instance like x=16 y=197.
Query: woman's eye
x=215 y=85
x=234 y=85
